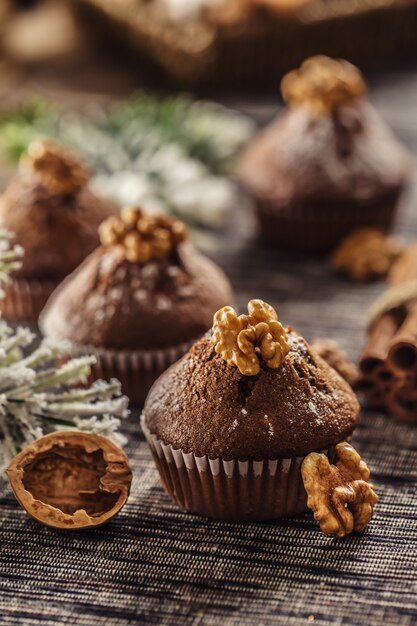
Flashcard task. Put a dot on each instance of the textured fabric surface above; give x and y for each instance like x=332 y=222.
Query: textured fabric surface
x=157 y=565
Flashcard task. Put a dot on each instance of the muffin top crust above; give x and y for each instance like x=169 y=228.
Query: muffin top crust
x=328 y=144
x=205 y=405
x=146 y=287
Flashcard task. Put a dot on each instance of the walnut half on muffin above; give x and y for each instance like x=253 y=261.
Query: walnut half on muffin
x=54 y=216
x=139 y=300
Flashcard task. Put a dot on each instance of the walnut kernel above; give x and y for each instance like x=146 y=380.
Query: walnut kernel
x=366 y=253
x=323 y=84
x=142 y=236
x=61 y=171
x=71 y=480
x=245 y=339
x=339 y=494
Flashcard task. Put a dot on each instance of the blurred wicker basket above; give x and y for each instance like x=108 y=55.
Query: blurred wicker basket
x=256 y=52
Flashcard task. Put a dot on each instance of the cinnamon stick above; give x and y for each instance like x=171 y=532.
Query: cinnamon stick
x=402 y=354
x=401 y=400
x=378 y=344
x=371 y=393
x=389 y=361
x=373 y=387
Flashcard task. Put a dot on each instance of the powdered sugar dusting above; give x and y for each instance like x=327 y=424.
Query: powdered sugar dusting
x=376 y=159
x=163 y=303
x=140 y=295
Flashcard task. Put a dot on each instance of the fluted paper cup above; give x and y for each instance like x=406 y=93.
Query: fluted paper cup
x=319 y=229
x=137 y=370
x=230 y=490
x=24 y=299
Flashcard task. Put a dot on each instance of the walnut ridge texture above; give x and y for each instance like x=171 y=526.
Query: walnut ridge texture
x=323 y=84
x=333 y=354
x=339 y=494
x=142 y=236
x=61 y=171
x=244 y=340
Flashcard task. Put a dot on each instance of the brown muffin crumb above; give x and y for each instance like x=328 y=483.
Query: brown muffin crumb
x=202 y=405
x=112 y=303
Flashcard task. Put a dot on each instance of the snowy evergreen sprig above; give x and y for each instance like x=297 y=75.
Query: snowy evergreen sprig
x=35 y=396
x=37 y=392
x=169 y=154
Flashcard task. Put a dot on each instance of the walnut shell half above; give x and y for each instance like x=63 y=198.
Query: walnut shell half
x=71 y=480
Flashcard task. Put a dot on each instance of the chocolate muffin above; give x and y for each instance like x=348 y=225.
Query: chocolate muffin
x=231 y=422
x=327 y=165
x=138 y=301
x=54 y=217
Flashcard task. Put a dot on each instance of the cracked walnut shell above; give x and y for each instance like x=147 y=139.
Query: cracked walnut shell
x=71 y=480
x=244 y=340
x=339 y=494
x=142 y=236
x=323 y=84
x=59 y=169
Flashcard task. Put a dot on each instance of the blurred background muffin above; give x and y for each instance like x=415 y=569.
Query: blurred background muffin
x=51 y=212
x=138 y=301
x=327 y=165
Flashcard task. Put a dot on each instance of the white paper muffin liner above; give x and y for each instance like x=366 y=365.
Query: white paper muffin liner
x=230 y=490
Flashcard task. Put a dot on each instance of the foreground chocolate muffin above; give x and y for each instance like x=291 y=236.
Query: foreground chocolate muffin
x=327 y=165
x=138 y=301
x=230 y=424
x=54 y=217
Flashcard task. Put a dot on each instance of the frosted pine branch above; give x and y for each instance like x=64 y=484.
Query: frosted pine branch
x=35 y=397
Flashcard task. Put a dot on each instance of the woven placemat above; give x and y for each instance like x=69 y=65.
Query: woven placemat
x=155 y=564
